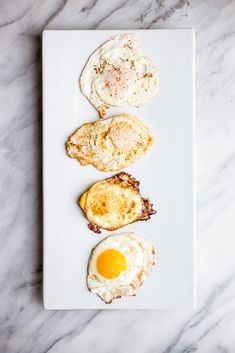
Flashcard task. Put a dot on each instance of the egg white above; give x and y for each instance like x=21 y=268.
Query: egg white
x=111 y=144
x=139 y=256
x=118 y=74
x=123 y=205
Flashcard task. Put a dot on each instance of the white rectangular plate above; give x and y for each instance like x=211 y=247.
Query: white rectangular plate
x=165 y=173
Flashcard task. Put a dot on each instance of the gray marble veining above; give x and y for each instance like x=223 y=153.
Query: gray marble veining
x=24 y=326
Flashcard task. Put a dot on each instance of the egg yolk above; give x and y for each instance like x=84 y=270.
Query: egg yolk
x=111 y=263
x=119 y=79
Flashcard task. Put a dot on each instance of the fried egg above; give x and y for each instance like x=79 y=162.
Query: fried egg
x=115 y=202
x=118 y=74
x=118 y=266
x=110 y=144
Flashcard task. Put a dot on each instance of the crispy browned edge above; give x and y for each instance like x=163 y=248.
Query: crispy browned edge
x=102 y=109
x=147 y=210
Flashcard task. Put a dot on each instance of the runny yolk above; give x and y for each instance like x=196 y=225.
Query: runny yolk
x=111 y=263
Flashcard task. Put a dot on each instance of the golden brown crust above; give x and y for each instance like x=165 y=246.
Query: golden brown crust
x=128 y=181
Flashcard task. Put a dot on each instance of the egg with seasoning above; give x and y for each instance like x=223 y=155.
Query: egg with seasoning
x=110 y=144
x=118 y=74
x=114 y=202
x=118 y=266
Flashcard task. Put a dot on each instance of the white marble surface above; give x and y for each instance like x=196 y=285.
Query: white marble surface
x=24 y=325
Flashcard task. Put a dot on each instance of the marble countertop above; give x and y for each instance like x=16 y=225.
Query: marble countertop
x=24 y=325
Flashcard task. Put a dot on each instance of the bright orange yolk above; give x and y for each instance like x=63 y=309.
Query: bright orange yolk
x=111 y=263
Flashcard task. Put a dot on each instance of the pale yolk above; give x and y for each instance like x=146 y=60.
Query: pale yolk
x=119 y=80
x=123 y=136
x=111 y=263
